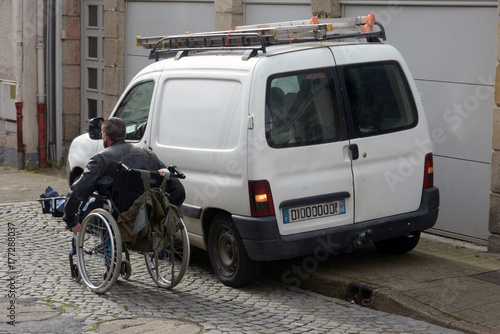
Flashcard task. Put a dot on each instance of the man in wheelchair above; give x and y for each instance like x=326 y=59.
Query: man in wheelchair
x=99 y=172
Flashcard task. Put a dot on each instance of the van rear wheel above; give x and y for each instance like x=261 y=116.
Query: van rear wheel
x=228 y=256
x=399 y=245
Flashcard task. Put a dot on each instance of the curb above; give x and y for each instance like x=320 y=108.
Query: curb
x=389 y=301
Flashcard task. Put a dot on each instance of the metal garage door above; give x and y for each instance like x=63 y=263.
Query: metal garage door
x=450 y=48
x=162 y=18
x=263 y=11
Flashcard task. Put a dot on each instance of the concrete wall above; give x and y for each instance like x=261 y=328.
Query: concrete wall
x=29 y=84
x=8 y=140
x=9 y=63
x=26 y=91
x=7 y=56
x=494 y=222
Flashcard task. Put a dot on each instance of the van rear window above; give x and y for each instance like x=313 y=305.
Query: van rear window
x=379 y=98
x=301 y=109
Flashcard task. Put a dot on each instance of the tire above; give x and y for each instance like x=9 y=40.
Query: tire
x=169 y=270
x=99 y=251
x=228 y=256
x=399 y=245
x=75 y=273
x=126 y=269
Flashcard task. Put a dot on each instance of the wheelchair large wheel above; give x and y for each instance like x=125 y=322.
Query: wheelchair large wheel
x=99 y=251
x=168 y=268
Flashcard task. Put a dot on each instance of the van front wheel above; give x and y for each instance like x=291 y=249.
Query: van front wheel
x=228 y=256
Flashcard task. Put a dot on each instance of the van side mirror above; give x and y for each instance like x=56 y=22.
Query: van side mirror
x=95 y=128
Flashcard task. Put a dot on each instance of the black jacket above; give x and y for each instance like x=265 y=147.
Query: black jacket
x=98 y=175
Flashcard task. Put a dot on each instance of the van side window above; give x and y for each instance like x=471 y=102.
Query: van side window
x=301 y=109
x=134 y=109
x=379 y=98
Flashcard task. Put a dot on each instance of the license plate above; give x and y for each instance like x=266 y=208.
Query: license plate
x=314 y=211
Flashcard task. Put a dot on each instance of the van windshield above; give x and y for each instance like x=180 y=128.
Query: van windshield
x=134 y=109
x=301 y=109
x=379 y=98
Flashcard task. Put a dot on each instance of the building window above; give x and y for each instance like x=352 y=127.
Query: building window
x=92 y=47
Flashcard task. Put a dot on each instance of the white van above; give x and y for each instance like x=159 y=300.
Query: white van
x=291 y=146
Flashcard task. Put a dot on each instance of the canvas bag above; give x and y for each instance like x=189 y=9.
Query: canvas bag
x=151 y=222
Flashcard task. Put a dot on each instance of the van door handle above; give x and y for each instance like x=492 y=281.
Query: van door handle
x=354 y=151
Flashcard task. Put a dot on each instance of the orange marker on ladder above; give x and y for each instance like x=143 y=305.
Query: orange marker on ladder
x=369 y=22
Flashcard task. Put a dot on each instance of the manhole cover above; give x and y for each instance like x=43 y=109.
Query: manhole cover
x=491 y=277
x=150 y=326
x=22 y=311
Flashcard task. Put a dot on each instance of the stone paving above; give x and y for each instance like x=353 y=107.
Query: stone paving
x=34 y=251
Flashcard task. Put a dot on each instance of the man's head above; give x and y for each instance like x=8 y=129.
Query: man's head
x=112 y=129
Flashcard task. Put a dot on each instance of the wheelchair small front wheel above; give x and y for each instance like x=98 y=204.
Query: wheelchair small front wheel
x=99 y=251
x=169 y=266
x=75 y=273
x=126 y=269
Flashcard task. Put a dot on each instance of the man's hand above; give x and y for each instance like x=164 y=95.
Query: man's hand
x=77 y=228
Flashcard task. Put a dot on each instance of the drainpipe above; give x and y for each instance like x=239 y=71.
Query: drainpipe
x=18 y=14
x=20 y=144
x=40 y=48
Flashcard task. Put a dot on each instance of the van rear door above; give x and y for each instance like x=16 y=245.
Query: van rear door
x=388 y=135
x=304 y=155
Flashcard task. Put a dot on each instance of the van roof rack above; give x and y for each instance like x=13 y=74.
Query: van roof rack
x=253 y=38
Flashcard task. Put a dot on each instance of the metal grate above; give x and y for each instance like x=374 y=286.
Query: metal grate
x=490 y=276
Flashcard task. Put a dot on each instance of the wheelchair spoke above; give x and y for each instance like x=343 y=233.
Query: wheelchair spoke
x=99 y=251
x=169 y=266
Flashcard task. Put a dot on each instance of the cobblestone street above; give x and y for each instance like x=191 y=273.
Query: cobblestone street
x=40 y=274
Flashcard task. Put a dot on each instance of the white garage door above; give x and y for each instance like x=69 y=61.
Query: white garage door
x=160 y=18
x=450 y=48
x=264 y=11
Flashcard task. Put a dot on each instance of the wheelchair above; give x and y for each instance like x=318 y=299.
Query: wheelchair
x=102 y=256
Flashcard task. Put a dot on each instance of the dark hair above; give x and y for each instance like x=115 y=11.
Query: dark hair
x=114 y=128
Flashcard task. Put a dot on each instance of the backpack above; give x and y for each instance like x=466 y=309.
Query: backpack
x=151 y=221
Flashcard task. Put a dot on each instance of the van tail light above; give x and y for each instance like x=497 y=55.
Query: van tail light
x=429 y=171
x=261 y=200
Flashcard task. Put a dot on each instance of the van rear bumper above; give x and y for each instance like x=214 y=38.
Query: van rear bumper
x=263 y=241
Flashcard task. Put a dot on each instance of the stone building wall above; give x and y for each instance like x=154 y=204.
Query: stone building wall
x=114 y=52
x=70 y=37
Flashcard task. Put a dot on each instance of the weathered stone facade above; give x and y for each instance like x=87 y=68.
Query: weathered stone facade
x=114 y=52
x=70 y=72
x=228 y=14
x=324 y=9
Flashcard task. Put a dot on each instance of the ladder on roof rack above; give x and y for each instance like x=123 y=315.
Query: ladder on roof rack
x=253 y=38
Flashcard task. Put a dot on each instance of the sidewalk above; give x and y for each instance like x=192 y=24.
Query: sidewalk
x=440 y=281
x=451 y=284
x=23 y=186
